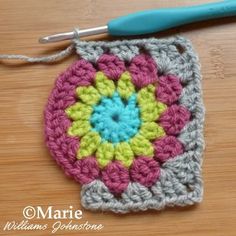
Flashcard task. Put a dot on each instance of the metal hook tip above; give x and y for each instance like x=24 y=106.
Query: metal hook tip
x=73 y=34
x=43 y=40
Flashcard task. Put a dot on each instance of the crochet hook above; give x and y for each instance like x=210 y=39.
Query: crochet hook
x=151 y=21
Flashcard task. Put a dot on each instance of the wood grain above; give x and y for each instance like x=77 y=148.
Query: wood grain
x=28 y=174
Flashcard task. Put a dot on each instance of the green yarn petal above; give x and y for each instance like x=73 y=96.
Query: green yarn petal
x=88 y=144
x=105 y=86
x=79 y=111
x=79 y=128
x=88 y=94
x=146 y=95
x=125 y=86
x=105 y=154
x=149 y=112
x=150 y=108
x=151 y=130
x=141 y=146
x=161 y=107
x=124 y=153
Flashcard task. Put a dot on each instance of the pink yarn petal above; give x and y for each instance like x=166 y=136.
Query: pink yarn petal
x=87 y=170
x=143 y=70
x=82 y=73
x=111 y=66
x=63 y=147
x=169 y=89
x=145 y=171
x=115 y=177
x=174 y=119
x=167 y=148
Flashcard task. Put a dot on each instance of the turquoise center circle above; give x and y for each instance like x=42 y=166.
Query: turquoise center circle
x=116 y=120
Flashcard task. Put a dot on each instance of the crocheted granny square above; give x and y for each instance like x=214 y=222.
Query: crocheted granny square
x=126 y=122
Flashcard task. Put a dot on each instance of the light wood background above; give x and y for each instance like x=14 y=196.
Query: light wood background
x=28 y=174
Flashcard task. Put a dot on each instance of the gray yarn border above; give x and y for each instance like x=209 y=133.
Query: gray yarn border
x=180 y=183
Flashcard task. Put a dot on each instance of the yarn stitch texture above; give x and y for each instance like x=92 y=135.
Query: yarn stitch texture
x=126 y=122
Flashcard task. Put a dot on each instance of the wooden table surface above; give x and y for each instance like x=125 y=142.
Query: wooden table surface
x=28 y=174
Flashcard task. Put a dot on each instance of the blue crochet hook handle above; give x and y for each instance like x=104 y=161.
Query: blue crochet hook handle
x=151 y=21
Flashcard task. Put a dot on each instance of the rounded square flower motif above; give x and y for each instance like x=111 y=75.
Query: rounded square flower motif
x=123 y=128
